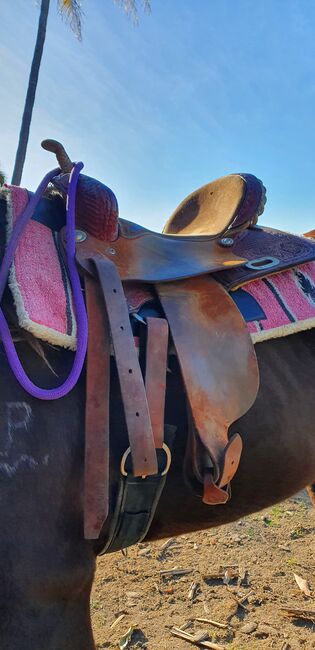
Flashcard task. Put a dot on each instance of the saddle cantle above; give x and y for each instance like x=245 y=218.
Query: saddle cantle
x=229 y=203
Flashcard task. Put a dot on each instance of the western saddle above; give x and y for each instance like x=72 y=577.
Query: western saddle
x=186 y=270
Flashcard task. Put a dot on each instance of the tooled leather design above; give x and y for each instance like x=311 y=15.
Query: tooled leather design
x=96 y=206
x=137 y=295
x=290 y=250
x=249 y=210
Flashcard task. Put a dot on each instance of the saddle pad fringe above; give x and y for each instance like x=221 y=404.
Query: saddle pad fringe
x=38 y=278
x=287 y=303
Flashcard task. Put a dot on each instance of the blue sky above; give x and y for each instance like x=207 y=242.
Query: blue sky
x=199 y=89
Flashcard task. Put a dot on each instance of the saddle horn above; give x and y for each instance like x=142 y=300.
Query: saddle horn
x=58 y=149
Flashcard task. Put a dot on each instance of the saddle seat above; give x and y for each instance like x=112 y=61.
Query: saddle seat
x=141 y=255
x=228 y=203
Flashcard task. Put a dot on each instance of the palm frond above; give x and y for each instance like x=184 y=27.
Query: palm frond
x=131 y=7
x=70 y=10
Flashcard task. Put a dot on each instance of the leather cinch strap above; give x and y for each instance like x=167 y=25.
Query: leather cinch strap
x=155 y=374
x=220 y=374
x=138 y=498
x=136 y=503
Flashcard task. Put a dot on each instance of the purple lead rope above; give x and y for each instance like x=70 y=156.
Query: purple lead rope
x=78 y=301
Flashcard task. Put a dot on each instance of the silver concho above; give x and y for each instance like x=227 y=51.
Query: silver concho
x=226 y=242
x=80 y=236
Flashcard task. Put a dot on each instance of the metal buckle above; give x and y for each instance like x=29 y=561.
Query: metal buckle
x=128 y=451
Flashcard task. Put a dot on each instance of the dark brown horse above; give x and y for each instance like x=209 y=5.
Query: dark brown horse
x=46 y=566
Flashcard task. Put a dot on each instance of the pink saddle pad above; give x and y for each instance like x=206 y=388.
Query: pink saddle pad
x=38 y=279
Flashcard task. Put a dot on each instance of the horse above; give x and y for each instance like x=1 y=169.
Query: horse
x=46 y=564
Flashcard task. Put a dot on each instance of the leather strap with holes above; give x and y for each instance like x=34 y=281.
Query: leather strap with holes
x=132 y=387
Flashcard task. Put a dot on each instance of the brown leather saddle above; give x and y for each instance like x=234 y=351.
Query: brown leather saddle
x=185 y=268
x=196 y=308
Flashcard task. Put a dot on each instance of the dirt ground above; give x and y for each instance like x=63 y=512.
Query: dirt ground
x=240 y=575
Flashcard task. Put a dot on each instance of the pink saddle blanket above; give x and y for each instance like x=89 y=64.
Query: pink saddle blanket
x=38 y=278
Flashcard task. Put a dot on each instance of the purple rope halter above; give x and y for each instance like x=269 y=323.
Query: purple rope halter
x=79 y=306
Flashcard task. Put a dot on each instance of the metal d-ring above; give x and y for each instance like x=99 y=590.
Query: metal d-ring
x=167 y=466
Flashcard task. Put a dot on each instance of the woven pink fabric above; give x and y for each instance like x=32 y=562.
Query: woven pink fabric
x=39 y=286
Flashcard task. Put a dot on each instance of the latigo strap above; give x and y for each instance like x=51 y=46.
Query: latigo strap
x=155 y=374
x=130 y=378
x=96 y=465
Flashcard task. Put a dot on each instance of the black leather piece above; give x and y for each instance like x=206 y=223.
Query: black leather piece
x=50 y=212
x=248 y=306
x=136 y=503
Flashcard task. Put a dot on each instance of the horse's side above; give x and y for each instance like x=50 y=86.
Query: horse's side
x=46 y=566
